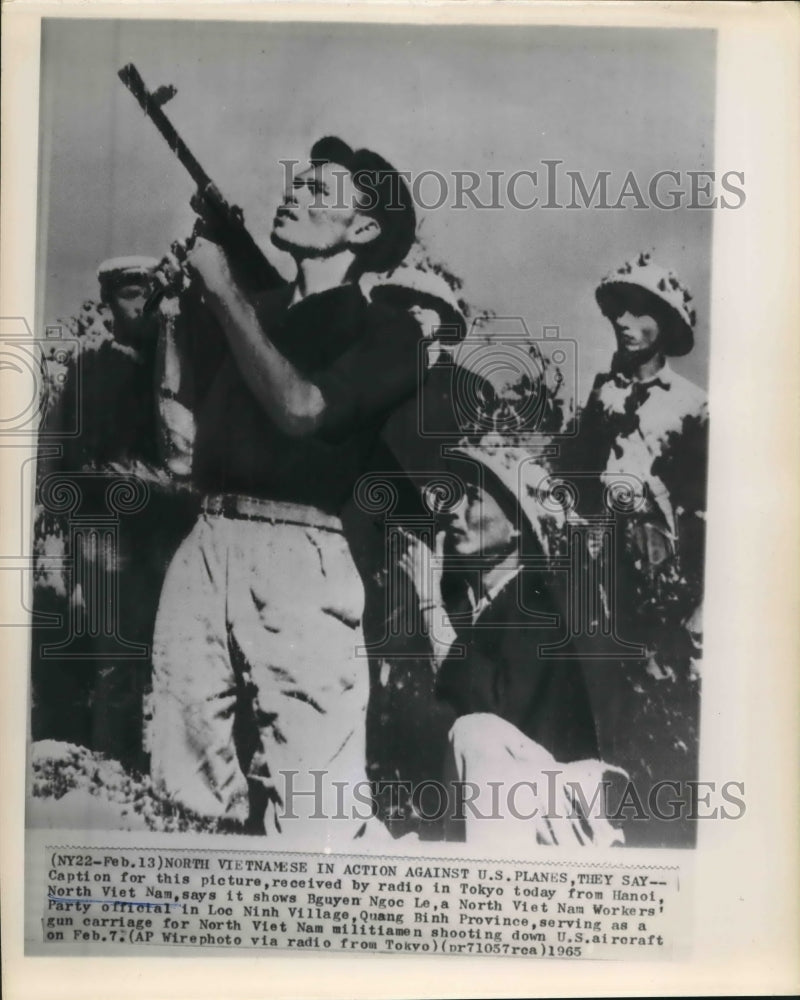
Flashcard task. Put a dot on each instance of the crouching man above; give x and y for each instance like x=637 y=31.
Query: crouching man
x=259 y=694
x=524 y=727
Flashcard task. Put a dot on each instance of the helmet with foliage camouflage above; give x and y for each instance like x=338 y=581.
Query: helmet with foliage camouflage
x=670 y=297
x=410 y=285
x=517 y=480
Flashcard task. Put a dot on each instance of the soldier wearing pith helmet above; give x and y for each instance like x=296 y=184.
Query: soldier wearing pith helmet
x=642 y=415
x=100 y=424
x=125 y=285
x=643 y=434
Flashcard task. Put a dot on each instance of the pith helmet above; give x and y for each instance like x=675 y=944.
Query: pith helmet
x=408 y=285
x=677 y=317
x=523 y=482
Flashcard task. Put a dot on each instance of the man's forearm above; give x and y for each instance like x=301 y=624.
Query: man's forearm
x=437 y=626
x=292 y=401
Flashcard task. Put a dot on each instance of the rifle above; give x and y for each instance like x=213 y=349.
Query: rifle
x=225 y=222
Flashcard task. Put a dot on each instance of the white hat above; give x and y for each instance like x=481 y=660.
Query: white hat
x=528 y=484
x=410 y=283
x=678 y=333
x=116 y=269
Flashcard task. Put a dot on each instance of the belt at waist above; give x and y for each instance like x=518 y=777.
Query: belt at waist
x=244 y=508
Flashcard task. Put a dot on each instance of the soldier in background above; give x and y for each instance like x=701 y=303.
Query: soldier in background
x=102 y=414
x=406 y=724
x=644 y=431
x=117 y=347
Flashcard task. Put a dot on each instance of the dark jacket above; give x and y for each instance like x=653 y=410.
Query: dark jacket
x=505 y=670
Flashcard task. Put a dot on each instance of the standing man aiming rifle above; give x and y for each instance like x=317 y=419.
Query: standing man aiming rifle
x=259 y=695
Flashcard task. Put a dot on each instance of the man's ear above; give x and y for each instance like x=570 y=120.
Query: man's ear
x=363 y=229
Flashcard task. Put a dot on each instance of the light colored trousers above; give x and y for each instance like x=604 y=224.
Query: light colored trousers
x=514 y=793
x=261 y=620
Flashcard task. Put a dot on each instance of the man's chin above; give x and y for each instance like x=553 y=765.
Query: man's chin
x=636 y=356
x=279 y=240
x=298 y=248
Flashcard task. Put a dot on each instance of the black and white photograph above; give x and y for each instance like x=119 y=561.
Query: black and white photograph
x=395 y=473
x=369 y=493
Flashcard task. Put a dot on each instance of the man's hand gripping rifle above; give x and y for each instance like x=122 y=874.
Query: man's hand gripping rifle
x=219 y=221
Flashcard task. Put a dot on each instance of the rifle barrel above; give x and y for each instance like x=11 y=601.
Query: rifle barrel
x=252 y=269
x=130 y=77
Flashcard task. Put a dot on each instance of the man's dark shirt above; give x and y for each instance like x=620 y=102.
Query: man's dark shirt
x=363 y=358
x=502 y=672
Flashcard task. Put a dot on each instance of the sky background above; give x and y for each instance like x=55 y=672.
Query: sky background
x=427 y=98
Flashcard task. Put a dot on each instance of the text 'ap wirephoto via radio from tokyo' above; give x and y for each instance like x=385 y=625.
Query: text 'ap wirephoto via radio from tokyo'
x=370 y=488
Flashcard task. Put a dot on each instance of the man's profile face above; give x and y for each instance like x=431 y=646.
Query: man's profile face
x=126 y=301
x=320 y=215
x=478 y=526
